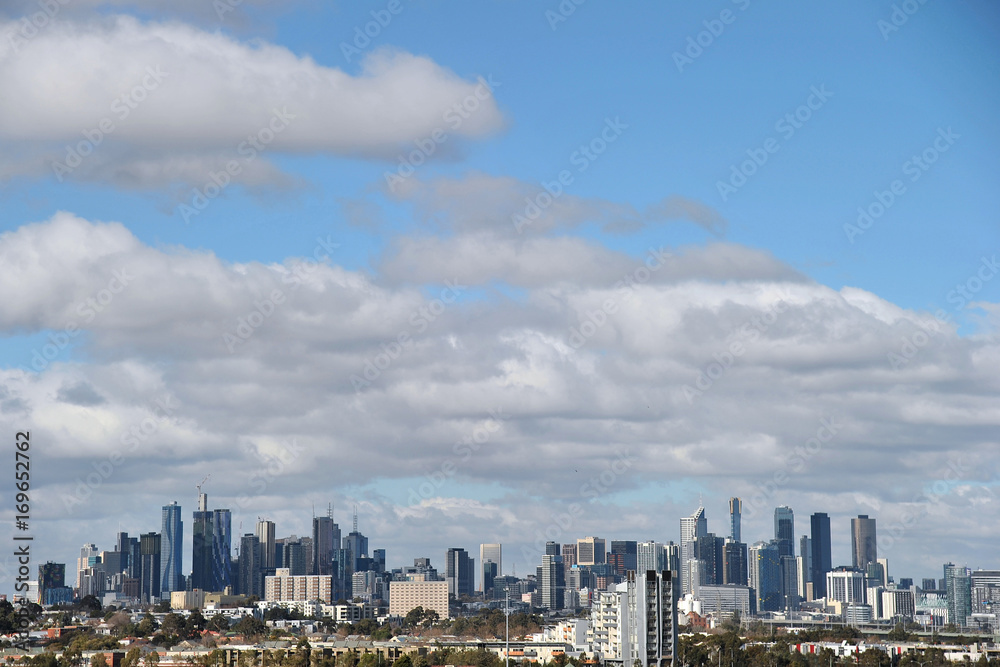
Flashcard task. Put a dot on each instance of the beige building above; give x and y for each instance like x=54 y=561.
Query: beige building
x=406 y=595
x=283 y=587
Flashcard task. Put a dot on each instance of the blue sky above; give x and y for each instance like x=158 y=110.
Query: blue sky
x=869 y=99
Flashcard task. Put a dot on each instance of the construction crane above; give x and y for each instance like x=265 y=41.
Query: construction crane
x=199 y=485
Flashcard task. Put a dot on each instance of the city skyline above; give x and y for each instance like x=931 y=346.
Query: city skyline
x=500 y=272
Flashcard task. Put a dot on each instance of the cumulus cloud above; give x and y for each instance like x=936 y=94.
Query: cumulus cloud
x=146 y=105
x=446 y=415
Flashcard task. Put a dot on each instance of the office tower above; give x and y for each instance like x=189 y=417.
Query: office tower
x=149 y=555
x=875 y=574
x=489 y=553
x=789 y=581
x=884 y=562
x=221 y=549
x=863 y=541
x=459 y=572
x=552 y=583
x=356 y=543
x=784 y=530
x=628 y=552
x=343 y=571
x=293 y=556
x=489 y=574
x=84 y=562
x=378 y=558
x=647 y=619
x=128 y=547
x=734 y=563
x=805 y=576
x=765 y=575
x=846 y=584
x=958 y=587
x=649 y=556
x=172 y=548
x=250 y=580
x=735 y=519
x=692 y=527
x=201 y=547
x=928 y=584
x=265 y=537
x=709 y=550
x=569 y=555
x=905 y=582
x=672 y=558
x=325 y=538
x=822 y=561
x=590 y=551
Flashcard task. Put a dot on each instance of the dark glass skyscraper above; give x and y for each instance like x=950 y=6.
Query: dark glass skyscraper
x=171 y=548
x=149 y=556
x=821 y=552
x=222 y=541
x=735 y=519
x=784 y=530
x=326 y=538
x=863 y=540
x=459 y=572
x=201 y=547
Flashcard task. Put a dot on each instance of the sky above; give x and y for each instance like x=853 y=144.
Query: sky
x=503 y=271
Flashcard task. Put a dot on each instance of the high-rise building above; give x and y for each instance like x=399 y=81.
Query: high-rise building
x=863 y=541
x=489 y=553
x=569 y=555
x=709 y=550
x=325 y=538
x=846 y=584
x=88 y=554
x=251 y=572
x=552 y=584
x=202 y=577
x=822 y=560
x=357 y=544
x=958 y=583
x=171 y=548
x=649 y=556
x=459 y=572
x=50 y=576
x=765 y=575
x=591 y=551
x=806 y=591
x=128 y=547
x=789 y=582
x=149 y=555
x=784 y=530
x=636 y=623
x=222 y=542
x=735 y=519
x=692 y=527
x=734 y=563
x=985 y=586
x=627 y=552
x=265 y=537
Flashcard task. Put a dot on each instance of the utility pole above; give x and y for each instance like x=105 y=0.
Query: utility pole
x=506 y=613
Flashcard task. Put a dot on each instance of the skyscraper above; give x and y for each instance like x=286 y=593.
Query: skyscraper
x=356 y=543
x=628 y=552
x=765 y=575
x=569 y=555
x=489 y=553
x=590 y=551
x=735 y=519
x=734 y=563
x=251 y=574
x=171 y=548
x=265 y=536
x=222 y=542
x=325 y=538
x=649 y=556
x=692 y=527
x=822 y=561
x=805 y=567
x=459 y=572
x=863 y=541
x=958 y=587
x=149 y=555
x=552 y=584
x=784 y=530
x=201 y=547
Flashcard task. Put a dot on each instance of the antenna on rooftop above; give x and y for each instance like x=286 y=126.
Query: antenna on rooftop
x=355 y=518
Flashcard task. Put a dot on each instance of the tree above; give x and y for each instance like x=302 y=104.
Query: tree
x=219 y=623
x=248 y=626
x=147 y=626
x=99 y=660
x=162 y=607
x=152 y=659
x=402 y=661
x=413 y=617
x=131 y=658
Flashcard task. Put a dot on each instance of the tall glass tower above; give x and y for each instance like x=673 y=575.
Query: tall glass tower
x=735 y=519
x=171 y=552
